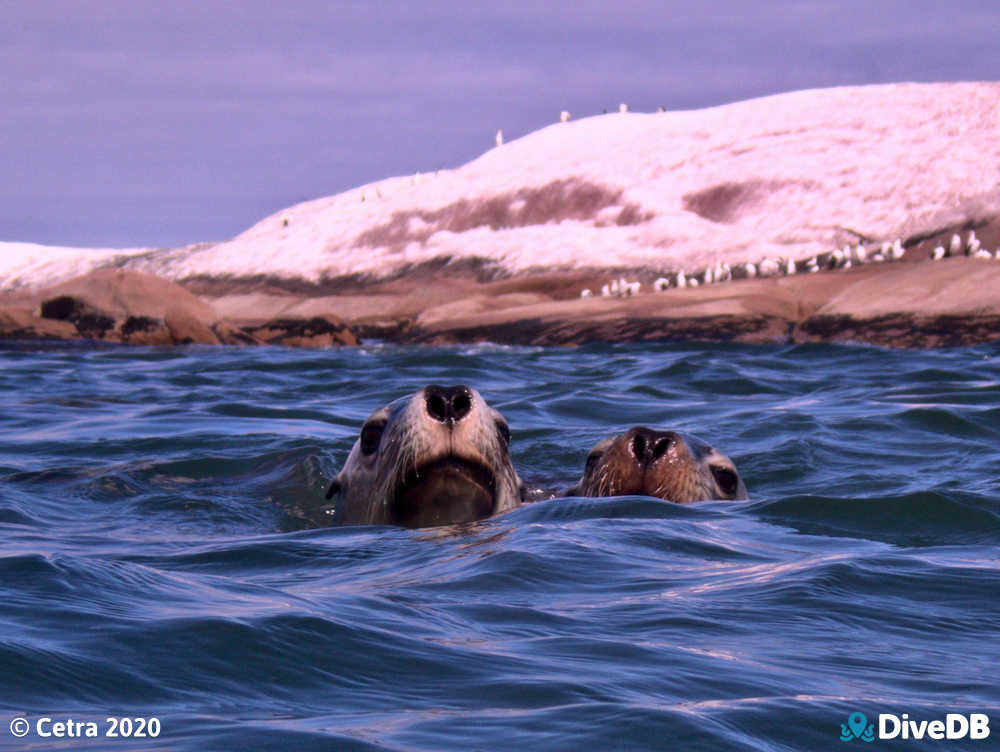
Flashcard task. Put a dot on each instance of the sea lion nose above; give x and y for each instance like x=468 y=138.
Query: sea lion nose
x=448 y=404
x=648 y=446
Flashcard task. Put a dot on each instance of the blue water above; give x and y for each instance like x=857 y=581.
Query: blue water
x=159 y=555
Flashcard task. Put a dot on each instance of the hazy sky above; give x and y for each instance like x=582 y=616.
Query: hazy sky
x=128 y=122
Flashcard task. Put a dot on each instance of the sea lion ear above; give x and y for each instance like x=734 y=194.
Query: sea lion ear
x=335 y=486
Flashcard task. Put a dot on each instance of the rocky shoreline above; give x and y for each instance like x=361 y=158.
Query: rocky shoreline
x=918 y=303
x=851 y=214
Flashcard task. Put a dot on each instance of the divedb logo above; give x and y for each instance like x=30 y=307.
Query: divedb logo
x=952 y=726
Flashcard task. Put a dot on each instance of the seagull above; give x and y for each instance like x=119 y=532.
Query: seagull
x=973 y=244
x=955 y=246
x=938 y=253
x=563 y=116
x=499 y=138
x=769 y=267
x=661 y=284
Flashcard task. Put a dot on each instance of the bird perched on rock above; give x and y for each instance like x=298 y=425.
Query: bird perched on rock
x=972 y=245
x=955 y=245
x=769 y=267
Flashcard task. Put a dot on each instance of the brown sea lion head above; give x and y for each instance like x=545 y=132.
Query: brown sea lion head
x=437 y=457
x=667 y=464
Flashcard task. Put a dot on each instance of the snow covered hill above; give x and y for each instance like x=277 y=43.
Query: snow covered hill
x=788 y=175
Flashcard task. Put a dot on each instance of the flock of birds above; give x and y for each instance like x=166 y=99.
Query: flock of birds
x=840 y=258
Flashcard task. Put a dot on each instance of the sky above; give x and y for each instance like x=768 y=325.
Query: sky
x=129 y=123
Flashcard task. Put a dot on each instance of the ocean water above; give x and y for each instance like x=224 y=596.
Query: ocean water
x=161 y=555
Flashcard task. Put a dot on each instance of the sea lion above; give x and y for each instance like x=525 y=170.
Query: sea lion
x=437 y=457
x=666 y=464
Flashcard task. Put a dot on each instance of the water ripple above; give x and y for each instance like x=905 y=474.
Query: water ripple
x=163 y=550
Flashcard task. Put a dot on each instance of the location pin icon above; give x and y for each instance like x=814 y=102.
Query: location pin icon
x=857 y=722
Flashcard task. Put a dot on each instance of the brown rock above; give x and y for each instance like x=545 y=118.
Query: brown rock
x=233 y=335
x=475 y=304
x=187 y=329
x=914 y=304
x=929 y=288
x=22 y=323
x=90 y=320
x=120 y=293
x=318 y=331
x=145 y=330
x=133 y=307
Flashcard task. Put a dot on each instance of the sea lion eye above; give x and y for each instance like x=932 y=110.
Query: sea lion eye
x=371 y=435
x=592 y=459
x=503 y=431
x=727 y=480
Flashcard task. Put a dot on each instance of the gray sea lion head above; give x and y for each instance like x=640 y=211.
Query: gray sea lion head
x=667 y=464
x=437 y=457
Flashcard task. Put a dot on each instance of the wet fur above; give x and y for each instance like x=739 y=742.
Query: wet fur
x=688 y=470
x=366 y=485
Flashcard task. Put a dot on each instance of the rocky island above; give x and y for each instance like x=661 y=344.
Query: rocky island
x=862 y=214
